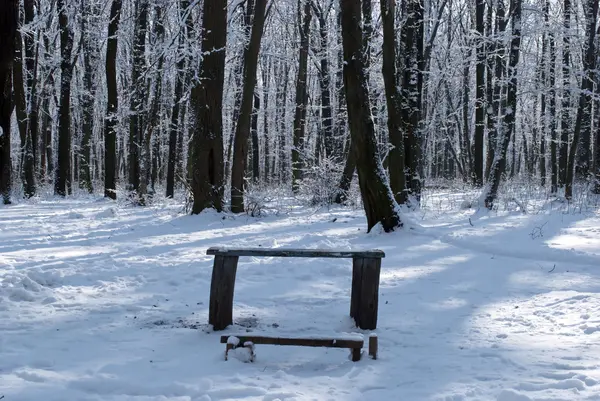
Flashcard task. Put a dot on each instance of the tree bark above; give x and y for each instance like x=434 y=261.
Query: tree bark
x=110 y=127
x=325 y=81
x=301 y=95
x=8 y=28
x=565 y=120
x=242 y=131
x=206 y=148
x=62 y=185
x=378 y=200
x=177 y=112
x=499 y=164
x=136 y=122
x=480 y=103
x=394 y=123
x=587 y=86
x=255 y=141
x=89 y=50
x=412 y=34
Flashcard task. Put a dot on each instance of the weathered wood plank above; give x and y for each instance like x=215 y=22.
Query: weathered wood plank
x=357 y=265
x=305 y=342
x=220 y=311
x=373 y=346
x=366 y=316
x=298 y=253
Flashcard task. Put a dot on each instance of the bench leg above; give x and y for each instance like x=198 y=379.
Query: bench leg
x=357 y=265
x=356 y=352
x=364 y=302
x=373 y=346
x=227 y=349
x=220 y=313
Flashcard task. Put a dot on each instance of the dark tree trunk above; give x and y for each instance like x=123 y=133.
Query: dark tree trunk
x=499 y=164
x=267 y=71
x=412 y=34
x=544 y=83
x=301 y=95
x=480 y=105
x=565 y=120
x=31 y=80
x=378 y=201
x=552 y=114
x=136 y=123
x=8 y=28
x=255 y=142
x=499 y=72
x=206 y=148
x=394 y=123
x=21 y=112
x=242 y=131
x=89 y=49
x=62 y=184
x=110 y=128
x=151 y=139
x=325 y=82
x=587 y=86
x=176 y=114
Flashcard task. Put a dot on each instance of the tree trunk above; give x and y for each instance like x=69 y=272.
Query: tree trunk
x=136 y=122
x=110 y=127
x=62 y=185
x=412 y=34
x=8 y=28
x=587 y=86
x=242 y=131
x=255 y=142
x=378 y=201
x=499 y=164
x=545 y=63
x=325 y=82
x=394 y=123
x=480 y=105
x=499 y=72
x=22 y=118
x=89 y=49
x=206 y=148
x=301 y=95
x=177 y=113
x=565 y=120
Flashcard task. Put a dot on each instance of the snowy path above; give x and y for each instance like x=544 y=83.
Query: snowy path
x=102 y=303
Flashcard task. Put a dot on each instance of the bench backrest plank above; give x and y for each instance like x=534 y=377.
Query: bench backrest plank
x=296 y=253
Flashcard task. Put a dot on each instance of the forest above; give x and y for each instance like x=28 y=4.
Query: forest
x=217 y=98
x=290 y=200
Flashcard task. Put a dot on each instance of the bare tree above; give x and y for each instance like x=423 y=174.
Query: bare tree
x=508 y=121
x=242 y=131
x=304 y=20
x=206 y=148
x=62 y=184
x=110 y=128
x=378 y=201
x=8 y=29
x=394 y=123
x=587 y=86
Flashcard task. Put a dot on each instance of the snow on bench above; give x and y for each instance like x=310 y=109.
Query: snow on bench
x=364 y=299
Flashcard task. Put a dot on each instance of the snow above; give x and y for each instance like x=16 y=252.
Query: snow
x=104 y=302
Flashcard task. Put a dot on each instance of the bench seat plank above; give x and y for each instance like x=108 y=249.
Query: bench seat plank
x=306 y=342
x=295 y=252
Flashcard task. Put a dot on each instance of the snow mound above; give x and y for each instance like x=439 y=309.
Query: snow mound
x=107 y=213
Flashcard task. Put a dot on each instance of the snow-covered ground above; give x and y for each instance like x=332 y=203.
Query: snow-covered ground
x=101 y=302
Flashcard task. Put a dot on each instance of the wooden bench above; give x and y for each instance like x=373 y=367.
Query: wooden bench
x=354 y=344
x=364 y=298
